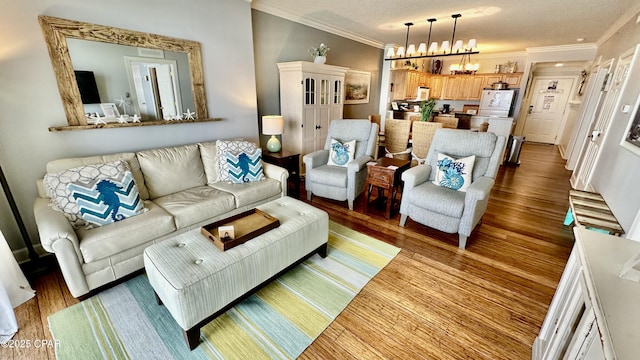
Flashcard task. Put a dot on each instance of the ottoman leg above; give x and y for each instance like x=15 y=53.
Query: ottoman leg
x=192 y=336
x=322 y=251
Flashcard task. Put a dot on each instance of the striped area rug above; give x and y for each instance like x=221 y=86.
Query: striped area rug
x=278 y=322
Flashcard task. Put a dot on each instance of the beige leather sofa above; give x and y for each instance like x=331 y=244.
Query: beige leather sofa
x=179 y=188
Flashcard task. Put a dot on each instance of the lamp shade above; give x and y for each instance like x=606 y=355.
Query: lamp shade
x=445 y=46
x=457 y=45
x=390 y=52
x=433 y=47
x=422 y=49
x=411 y=50
x=272 y=124
x=472 y=44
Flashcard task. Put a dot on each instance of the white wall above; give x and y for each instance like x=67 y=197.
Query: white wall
x=30 y=102
x=617 y=171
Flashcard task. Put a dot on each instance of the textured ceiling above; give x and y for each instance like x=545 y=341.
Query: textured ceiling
x=498 y=26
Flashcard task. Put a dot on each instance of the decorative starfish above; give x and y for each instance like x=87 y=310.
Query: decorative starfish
x=122 y=119
x=135 y=118
x=97 y=119
x=122 y=102
x=178 y=117
x=189 y=115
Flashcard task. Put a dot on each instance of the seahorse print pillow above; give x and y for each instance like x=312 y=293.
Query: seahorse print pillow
x=105 y=201
x=341 y=153
x=245 y=166
x=453 y=173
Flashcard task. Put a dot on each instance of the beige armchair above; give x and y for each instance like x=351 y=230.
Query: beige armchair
x=443 y=208
x=341 y=182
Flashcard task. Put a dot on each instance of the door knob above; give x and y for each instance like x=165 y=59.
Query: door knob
x=318 y=127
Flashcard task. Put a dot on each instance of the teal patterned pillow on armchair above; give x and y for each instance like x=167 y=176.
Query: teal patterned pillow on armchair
x=245 y=166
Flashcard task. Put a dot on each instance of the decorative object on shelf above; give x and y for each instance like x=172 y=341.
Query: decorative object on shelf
x=189 y=115
x=273 y=125
x=409 y=50
x=135 y=118
x=97 y=119
x=319 y=54
x=426 y=109
x=122 y=119
x=357 y=85
x=109 y=110
x=123 y=103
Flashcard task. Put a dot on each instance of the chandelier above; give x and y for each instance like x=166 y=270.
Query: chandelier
x=453 y=48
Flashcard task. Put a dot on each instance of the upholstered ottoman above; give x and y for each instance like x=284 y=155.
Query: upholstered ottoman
x=196 y=281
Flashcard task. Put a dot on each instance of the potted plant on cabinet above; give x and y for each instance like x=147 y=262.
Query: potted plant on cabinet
x=319 y=54
x=426 y=109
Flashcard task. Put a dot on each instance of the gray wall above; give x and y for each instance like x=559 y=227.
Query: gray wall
x=617 y=173
x=30 y=101
x=279 y=40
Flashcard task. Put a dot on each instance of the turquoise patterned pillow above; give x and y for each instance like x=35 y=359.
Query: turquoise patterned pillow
x=105 y=201
x=245 y=166
x=453 y=173
x=341 y=153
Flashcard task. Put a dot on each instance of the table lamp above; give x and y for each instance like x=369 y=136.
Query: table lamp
x=273 y=125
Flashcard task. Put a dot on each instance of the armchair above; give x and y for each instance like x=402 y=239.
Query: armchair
x=445 y=209
x=341 y=182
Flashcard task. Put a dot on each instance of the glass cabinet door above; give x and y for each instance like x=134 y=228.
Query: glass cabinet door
x=309 y=91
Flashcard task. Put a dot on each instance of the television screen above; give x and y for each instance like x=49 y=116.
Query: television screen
x=87 y=86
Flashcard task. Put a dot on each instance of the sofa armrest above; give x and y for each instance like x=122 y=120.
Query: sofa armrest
x=415 y=176
x=316 y=158
x=358 y=164
x=277 y=173
x=57 y=236
x=53 y=226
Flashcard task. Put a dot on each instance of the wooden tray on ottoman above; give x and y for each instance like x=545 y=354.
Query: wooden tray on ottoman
x=247 y=225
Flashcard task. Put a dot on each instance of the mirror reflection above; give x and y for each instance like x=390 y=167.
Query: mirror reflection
x=154 y=84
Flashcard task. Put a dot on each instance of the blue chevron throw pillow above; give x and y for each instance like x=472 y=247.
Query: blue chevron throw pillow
x=245 y=166
x=105 y=201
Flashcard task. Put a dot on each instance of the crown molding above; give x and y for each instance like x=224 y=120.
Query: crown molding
x=561 y=48
x=301 y=19
x=622 y=21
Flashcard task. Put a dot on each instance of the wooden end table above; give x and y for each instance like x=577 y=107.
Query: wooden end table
x=385 y=174
x=289 y=161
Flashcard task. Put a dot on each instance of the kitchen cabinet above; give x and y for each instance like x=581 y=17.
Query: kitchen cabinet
x=513 y=79
x=406 y=82
x=463 y=87
x=436 y=85
x=594 y=313
x=311 y=95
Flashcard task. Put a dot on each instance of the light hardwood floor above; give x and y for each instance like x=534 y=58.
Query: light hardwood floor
x=433 y=301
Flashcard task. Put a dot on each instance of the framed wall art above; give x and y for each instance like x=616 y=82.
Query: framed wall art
x=357 y=85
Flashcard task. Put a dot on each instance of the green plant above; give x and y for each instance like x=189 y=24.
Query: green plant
x=426 y=109
x=321 y=50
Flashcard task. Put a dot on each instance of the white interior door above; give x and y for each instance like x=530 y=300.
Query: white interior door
x=594 y=96
x=547 y=106
x=581 y=178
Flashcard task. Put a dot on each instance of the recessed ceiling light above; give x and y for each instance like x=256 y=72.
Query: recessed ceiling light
x=580 y=39
x=559 y=64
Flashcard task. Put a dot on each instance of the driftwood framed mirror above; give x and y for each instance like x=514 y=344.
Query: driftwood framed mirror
x=59 y=33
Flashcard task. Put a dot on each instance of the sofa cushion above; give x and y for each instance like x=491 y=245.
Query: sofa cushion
x=249 y=193
x=57 y=186
x=106 y=201
x=245 y=166
x=209 y=157
x=104 y=241
x=329 y=175
x=235 y=146
x=57 y=166
x=195 y=205
x=437 y=199
x=170 y=170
